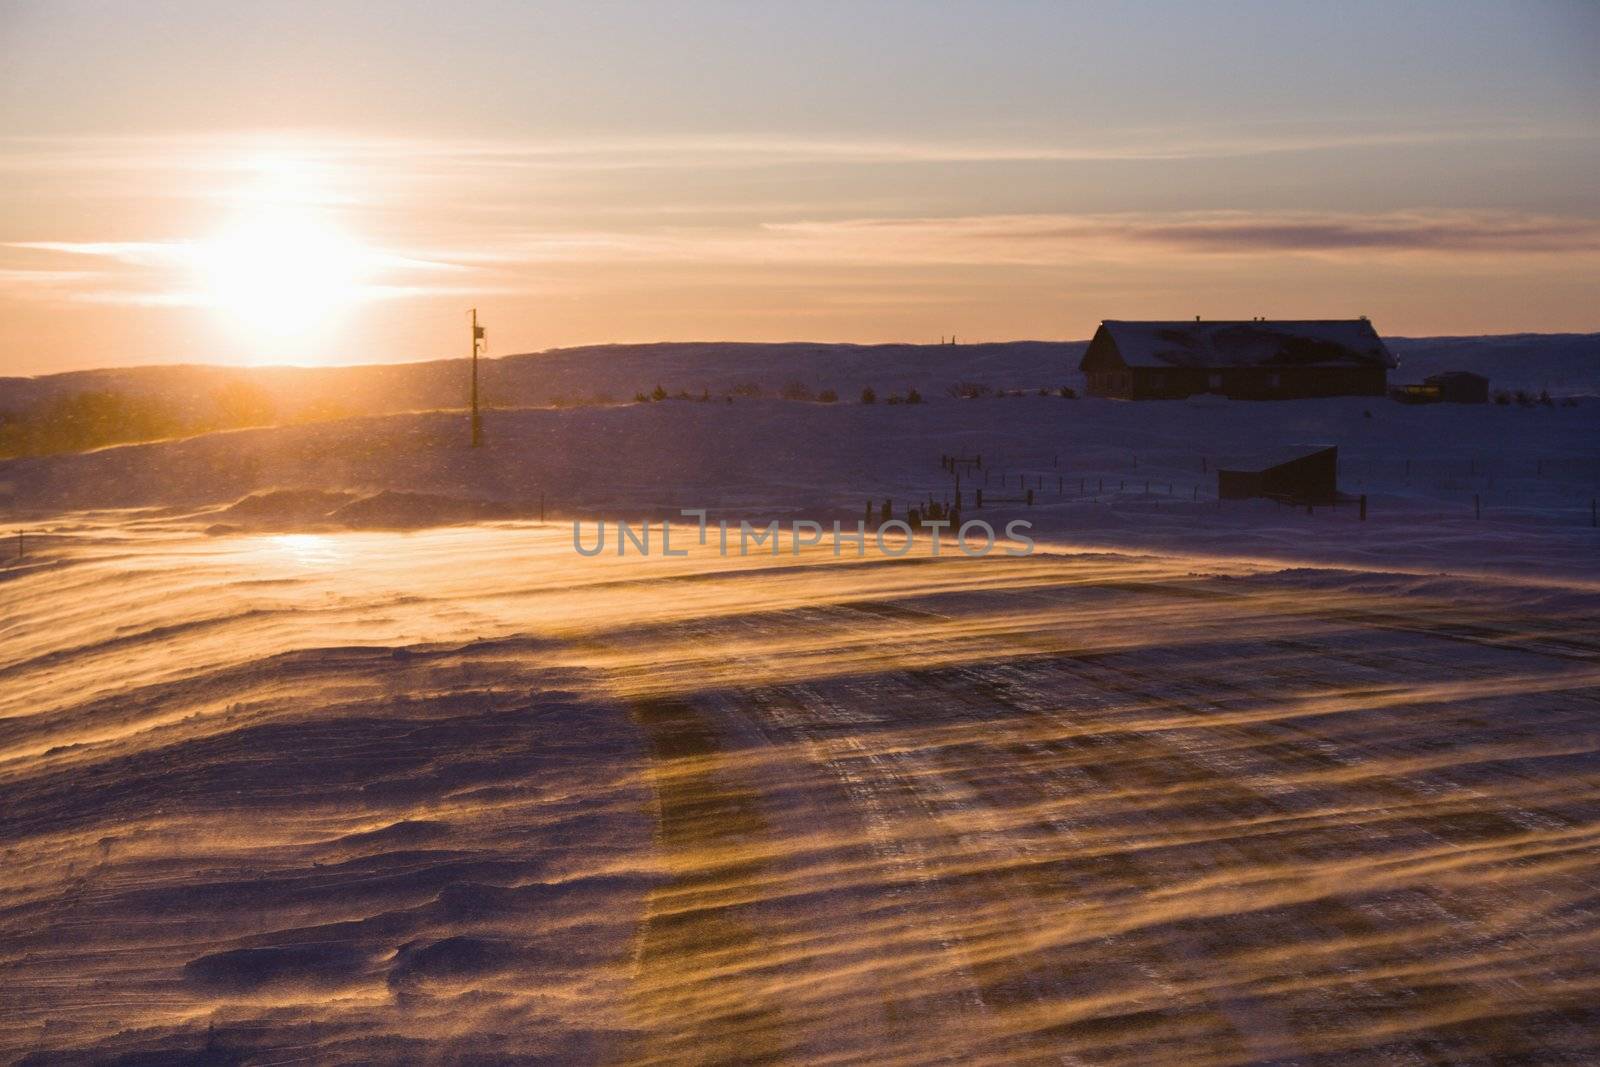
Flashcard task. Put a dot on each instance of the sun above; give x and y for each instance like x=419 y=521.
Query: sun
x=281 y=272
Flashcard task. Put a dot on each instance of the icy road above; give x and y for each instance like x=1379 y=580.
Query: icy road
x=464 y=796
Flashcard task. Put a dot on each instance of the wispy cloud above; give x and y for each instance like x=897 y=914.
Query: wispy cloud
x=244 y=153
x=1498 y=233
x=1055 y=239
x=172 y=273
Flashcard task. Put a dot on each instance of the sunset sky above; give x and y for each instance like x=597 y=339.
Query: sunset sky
x=339 y=183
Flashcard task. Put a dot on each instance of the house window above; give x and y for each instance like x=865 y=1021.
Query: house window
x=1215 y=381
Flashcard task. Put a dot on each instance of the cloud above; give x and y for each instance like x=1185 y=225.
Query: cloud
x=1495 y=233
x=174 y=273
x=133 y=253
x=318 y=158
x=1054 y=238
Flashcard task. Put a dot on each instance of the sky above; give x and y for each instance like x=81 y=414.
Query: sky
x=339 y=182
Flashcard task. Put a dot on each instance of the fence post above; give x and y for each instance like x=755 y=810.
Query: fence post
x=1030 y=498
x=541 y=506
x=979 y=501
x=1363 y=507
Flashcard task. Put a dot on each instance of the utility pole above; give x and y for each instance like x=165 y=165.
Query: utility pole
x=477 y=420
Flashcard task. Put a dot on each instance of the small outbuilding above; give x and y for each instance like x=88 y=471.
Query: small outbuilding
x=1459 y=387
x=1297 y=474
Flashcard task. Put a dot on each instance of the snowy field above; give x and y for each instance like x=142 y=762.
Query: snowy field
x=1449 y=486
x=459 y=795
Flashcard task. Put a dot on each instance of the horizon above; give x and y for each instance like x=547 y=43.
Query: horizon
x=618 y=176
x=555 y=349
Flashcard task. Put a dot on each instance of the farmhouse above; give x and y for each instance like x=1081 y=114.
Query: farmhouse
x=1248 y=360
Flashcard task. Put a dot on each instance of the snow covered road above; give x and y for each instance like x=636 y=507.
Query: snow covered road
x=463 y=795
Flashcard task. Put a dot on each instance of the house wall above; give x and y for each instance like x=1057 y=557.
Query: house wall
x=1112 y=383
x=1257 y=383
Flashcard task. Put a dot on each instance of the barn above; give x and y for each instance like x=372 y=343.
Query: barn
x=1253 y=360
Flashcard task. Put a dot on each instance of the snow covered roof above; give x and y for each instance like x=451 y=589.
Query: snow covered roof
x=1307 y=342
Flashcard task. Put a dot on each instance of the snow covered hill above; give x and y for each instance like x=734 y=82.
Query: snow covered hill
x=1565 y=364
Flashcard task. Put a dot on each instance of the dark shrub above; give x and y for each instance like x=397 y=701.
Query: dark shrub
x=868 y=396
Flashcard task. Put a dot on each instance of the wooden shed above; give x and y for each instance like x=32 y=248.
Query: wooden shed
x=1297 y=474
x=1459 y=387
